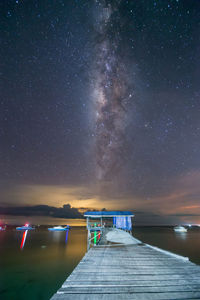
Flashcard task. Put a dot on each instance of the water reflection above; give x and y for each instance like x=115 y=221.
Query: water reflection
x=66 y=237
x=41 y=267
x=181 y=235
x=60 y=236
x=23 y=239
x=57 y=235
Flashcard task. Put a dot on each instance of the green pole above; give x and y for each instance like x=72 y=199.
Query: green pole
x=95 y=235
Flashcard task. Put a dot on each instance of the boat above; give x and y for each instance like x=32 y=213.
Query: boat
x=59 y=228
x=25 y=227
x=180 y=229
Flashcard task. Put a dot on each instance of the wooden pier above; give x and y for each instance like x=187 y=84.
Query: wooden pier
x=136 y=271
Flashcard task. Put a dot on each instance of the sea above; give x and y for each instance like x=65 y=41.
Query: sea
x=34 y=266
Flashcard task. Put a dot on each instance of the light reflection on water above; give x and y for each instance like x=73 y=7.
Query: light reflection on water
x=66 y=236
x=45 y=262
x=23 y=239
x=57 y=236
x=181 y=235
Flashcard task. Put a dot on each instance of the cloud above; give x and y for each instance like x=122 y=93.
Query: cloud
x=181 y=204
x=185 y=215
x=53 y=195
x=42 y=210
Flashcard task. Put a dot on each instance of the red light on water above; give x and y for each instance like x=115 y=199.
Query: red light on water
x=23 y=239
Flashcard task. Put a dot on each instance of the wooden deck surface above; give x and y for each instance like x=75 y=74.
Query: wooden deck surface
x=135 y=272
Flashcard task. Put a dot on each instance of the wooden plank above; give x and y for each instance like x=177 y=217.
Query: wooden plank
x=136 y=264
x=112 y=264
x=136 y=255
x=142 y=271
x=134 y=258
x=131 y=282
x=115 y=289
x=129 y=257
x=125 y=296
x=126 y=277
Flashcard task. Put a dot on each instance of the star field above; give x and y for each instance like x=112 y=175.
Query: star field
x=102 y=97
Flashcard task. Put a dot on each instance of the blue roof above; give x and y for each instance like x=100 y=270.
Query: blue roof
x=108 y=214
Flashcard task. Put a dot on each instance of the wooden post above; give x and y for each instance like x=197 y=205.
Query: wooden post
x=89 y=234
x=131 y=226
x=87 y=222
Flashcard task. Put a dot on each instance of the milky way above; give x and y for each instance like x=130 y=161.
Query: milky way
x=104 y=86
x=111 y=93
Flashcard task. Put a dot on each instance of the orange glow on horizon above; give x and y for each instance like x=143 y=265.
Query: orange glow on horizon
x=190 y=207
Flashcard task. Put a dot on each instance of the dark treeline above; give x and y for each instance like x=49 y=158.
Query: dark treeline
x=42 y=210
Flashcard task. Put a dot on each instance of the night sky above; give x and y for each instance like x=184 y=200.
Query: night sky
x=100 y=106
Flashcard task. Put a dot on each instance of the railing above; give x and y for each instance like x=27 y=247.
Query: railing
x=96 y=238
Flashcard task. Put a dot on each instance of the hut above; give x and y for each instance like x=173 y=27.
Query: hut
x=98 y=221
x=117 y=219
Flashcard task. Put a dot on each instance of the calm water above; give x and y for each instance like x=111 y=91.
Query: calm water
x=183 y=243
x=39 y=269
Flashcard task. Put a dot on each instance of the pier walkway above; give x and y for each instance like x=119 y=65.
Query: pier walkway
x=134 y=271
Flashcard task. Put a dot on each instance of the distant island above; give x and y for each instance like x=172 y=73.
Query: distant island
x=42 y=210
